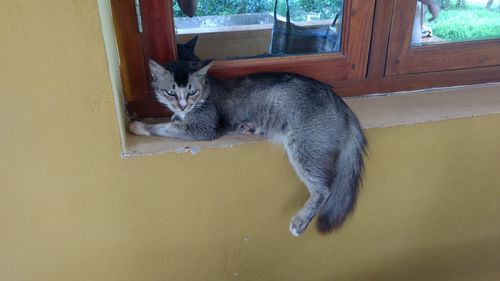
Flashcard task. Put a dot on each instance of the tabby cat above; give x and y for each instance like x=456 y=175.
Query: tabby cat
x=321 y=135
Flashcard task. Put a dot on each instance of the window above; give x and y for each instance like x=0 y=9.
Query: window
x=242 y=29
x=373 y=51
x=423 y=55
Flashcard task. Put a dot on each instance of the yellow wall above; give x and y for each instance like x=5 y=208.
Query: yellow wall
x=72 y=209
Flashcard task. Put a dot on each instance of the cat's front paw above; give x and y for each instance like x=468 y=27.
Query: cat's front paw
x=138 y=128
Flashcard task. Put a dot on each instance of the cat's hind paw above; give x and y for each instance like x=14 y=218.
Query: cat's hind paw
x=247 y=128
x=138 y=128
x=298 y=226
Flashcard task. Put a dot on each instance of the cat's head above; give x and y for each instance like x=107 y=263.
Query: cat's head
x=180 y=86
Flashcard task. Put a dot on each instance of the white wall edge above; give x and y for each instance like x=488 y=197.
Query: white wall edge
x=108 y=34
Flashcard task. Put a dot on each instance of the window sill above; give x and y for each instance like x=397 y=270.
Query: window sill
x=145 y=145
x=427 y=105
x=374 y=111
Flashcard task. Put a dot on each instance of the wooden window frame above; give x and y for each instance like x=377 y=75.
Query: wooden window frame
x=375 y=57
x=406 y=59
x=157 y=42
x=392 y=19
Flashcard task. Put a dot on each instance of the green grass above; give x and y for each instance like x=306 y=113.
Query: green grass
x=469 y=23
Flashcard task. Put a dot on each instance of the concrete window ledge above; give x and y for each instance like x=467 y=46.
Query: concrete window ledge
x=407 y=108
x=374 y=111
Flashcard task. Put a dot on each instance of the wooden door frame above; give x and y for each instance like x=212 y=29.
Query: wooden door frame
x=131 y=50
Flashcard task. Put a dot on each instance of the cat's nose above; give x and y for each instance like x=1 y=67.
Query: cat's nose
x=182 y=104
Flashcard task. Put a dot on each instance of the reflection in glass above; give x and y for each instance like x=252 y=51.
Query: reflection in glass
x=455 y=21
x=234 y=29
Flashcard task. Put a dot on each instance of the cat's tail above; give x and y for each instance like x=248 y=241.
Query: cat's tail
x=344 y=189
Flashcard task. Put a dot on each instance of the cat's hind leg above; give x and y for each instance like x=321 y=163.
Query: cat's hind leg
x=315 y=169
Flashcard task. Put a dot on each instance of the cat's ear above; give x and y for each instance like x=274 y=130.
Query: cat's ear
x=156 y=70
x=191 y=44
x=203 y=71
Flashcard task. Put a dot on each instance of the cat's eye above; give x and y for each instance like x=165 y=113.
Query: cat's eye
x=192 y=93
x=169 y=93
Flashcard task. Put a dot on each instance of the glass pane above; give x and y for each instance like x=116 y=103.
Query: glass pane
x=235 y=29
x=455 y=21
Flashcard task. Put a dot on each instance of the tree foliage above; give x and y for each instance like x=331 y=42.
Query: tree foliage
x=299 y=9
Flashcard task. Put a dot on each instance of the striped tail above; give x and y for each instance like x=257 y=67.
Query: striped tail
x=345 y=186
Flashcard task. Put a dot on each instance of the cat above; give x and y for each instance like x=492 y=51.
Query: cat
x=185 y=51
x=321 y=135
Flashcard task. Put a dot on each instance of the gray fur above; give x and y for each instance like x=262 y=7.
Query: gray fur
x=321 y=135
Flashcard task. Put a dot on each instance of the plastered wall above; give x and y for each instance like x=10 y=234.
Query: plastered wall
x=72 y=209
